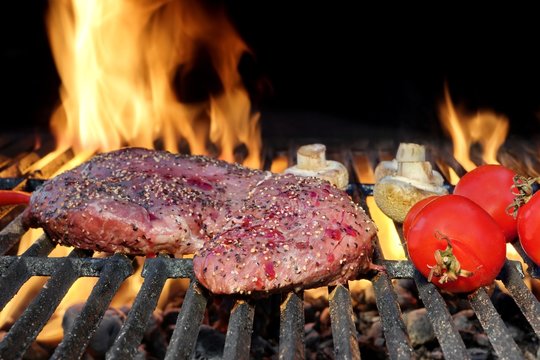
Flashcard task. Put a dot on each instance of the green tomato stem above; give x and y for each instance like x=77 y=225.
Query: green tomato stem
x=447 y=266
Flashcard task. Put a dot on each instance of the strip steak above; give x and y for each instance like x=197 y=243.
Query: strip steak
x=250 y=230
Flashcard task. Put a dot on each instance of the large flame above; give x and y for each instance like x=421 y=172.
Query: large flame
x=485 y=127
x=123 y=64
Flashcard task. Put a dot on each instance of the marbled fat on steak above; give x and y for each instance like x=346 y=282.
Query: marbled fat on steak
x=250 y=230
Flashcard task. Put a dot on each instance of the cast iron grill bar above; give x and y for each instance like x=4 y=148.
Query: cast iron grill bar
x=11 y=234
x=512 y=277
x=76 y=339
x=291 y=327
x=499 y=337
x=184 y=337
x=34 y=318
x=15 y=273
x=448 y=336
x=344 y=332
x=238 y=340
x=395 y=331
x=132 y=332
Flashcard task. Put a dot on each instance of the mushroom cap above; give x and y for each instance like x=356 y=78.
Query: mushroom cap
x=395 y=196
x=333 y=171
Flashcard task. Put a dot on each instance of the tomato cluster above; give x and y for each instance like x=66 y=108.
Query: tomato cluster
x=458 y=241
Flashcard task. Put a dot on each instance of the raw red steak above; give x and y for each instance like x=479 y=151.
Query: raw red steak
x=250 y=230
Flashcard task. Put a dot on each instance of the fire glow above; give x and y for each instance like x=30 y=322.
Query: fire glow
x=121 y=64
x=485 y=127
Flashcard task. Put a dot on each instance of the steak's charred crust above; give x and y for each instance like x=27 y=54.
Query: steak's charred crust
x=252 y=231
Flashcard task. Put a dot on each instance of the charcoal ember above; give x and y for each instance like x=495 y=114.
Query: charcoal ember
x=219 y=311
x=470 y=329
x=463 y=321
x=478 y=353
x=418 y=327
x=210 y=344
x=170 y=316
x=324 y=318
x=407 y=298
x=312 y=336
x=262 y=348
x=154 y=342
x=105 y=334
x=364 y=299
x=266 y=320
x=325 y=350
x=375 y=333
x=482 y=340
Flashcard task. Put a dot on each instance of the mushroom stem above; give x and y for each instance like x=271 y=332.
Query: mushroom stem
x=311 y=161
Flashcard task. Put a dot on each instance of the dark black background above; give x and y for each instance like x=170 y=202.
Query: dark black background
x=378 y=67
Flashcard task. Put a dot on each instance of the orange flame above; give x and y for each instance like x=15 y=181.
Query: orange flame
x=485 y=127
x=389 y=240
x=119 y=63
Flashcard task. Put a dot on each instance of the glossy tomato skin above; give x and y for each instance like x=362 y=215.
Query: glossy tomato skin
x=477 y=241
x=411 y=215
x=528 y=224
x=490 y=186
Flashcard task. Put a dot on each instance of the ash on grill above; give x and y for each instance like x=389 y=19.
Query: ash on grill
x=398 y=315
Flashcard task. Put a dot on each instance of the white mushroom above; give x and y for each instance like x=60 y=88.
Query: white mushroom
x=402 y=182
x=311 y=161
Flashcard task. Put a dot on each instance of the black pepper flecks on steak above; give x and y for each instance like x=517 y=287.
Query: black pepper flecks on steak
x=250 y=230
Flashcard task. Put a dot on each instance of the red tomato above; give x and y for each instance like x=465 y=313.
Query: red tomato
x=411 y=215
x=528 y=226
x=490 y=186
x=456 y=244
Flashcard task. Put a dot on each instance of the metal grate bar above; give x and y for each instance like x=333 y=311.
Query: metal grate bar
x=17 y=272
x=75 y=341
x=291 y=329
x=395 y=332
x=175 y=268
x=238 y=340
x=11 y=234
x=532 y=268
x=344 y=331
x=45 y=266
x=398 y=269
x=132 y=332
x=443 y=326
x=501 y=340
x=32 y=321
x=512 y=277
x=185 y=333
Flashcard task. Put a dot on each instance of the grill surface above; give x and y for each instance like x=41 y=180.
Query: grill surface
x=112 y=271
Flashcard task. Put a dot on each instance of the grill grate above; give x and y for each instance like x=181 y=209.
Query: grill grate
x=112 y=271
